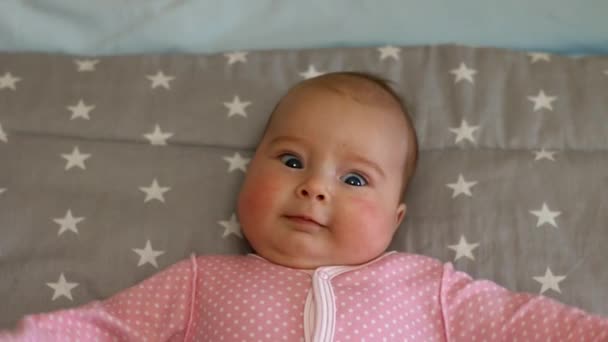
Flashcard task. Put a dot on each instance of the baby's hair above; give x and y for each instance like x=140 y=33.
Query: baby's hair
x=385 y=85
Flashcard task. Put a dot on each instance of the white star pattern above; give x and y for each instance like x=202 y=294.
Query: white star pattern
x=539 y=56
x=75 y=159
x=155 y=192
x=236 y=107
x=237 y=162
x=231 y=226
x=80 y=110
x=311 y=72
x=3 y=136
x=158 y=138
x=237 y=56
x=542 y=101
x=463 y=73
x=86 y=64
x=464 y=249
x=464 y=131
x=546 y=216
x=9 y=81
x=461 y=186
x=111 y=125
x=544 y=154
x=68 y=223
x=549 y=281
x=160 y=80
x=389 y=51
x=62 y=288
x=147 y=255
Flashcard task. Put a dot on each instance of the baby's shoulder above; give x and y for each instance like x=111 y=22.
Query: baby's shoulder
x=221 y=262
x=414 y=260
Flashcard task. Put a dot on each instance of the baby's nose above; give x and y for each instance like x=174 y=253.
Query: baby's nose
x=313 y=188
x=316 y=195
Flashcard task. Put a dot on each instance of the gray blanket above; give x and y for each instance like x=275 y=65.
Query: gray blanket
x=112 y=168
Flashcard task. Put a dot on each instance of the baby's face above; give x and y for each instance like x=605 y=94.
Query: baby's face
x=312 y=162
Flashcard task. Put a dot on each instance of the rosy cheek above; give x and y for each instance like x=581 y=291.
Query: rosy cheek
x=365 y=211
x=368 y=227
x=258 y=197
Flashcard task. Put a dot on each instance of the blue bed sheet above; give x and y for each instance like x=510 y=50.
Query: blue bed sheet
x=138 y=26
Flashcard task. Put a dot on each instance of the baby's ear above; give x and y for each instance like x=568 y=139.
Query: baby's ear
x=400 y=214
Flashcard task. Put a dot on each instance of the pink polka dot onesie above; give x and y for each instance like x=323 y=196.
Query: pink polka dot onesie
x=396 y=297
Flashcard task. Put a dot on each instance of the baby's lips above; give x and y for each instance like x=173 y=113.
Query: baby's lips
x=306 y=217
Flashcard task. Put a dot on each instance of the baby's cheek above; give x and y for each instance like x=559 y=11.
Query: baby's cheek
x=258 y=197
x=370 y=226
x=362 y=216
x=365 y=211
x=371 y=216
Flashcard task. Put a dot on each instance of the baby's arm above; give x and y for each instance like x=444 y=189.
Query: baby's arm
x=482 y=310
x=157 y=309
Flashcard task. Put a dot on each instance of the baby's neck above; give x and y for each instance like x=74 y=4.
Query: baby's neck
x=312 y=270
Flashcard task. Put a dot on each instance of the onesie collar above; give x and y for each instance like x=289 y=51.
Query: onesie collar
x=343 y=268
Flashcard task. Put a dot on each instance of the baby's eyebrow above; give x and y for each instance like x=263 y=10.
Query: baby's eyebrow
x=286 y=138
x=369 y=163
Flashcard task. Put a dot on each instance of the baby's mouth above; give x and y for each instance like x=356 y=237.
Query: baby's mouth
x=305 y=222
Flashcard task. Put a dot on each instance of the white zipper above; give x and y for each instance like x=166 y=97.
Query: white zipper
x=320 y=306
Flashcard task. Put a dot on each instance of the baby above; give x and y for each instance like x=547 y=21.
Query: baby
x=322 y=198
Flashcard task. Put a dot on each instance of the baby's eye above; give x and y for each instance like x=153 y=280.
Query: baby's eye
x=355 y=179
x=291 y=161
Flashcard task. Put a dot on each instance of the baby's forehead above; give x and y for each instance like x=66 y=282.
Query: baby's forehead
x=368 y=92
x=358 y=88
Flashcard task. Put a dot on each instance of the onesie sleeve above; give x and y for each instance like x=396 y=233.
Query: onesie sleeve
x=481 y=310
x=157 y=309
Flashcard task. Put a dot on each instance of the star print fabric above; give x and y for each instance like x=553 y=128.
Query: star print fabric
x=157 y=309
x=246 y=298
x=114 y=167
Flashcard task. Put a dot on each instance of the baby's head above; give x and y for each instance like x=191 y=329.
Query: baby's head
x=339 y=149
